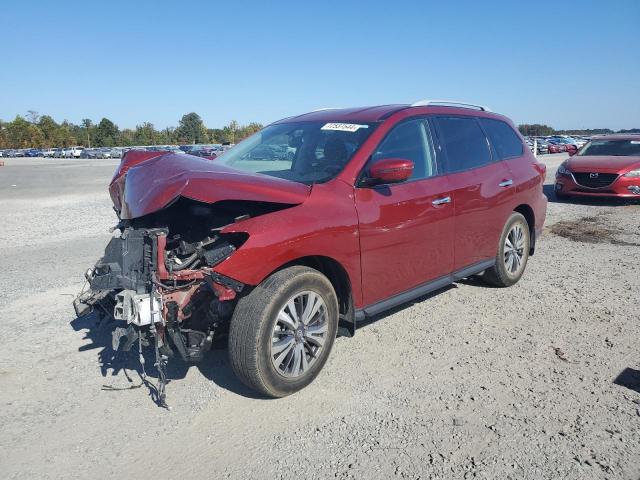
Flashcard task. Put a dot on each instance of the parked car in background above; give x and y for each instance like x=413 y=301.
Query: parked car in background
x=32 y=152
x=72 y=152
x=204 y=152
x=49 y=152
x=115 y=152
x=542 y=145
x=556 y=146
x=607 y=166
x=89 y=153
x=377 y=207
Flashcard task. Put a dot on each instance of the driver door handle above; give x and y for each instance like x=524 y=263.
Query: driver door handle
x=506 y=183
x=441 y=201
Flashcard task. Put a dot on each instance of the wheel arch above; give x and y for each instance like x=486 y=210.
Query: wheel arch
x=527 y=212
x=335 y=272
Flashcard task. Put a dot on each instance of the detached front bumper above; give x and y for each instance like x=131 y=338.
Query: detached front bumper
x=622 y=187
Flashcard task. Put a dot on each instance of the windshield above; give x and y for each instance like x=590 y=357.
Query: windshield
x=616 y=148
x=305 y=152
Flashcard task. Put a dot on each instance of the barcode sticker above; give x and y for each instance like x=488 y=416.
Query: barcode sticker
x=343 y=127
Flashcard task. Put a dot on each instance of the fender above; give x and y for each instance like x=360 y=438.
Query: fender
x=326 y=224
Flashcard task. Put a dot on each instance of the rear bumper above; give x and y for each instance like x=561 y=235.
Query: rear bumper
x=623 y=187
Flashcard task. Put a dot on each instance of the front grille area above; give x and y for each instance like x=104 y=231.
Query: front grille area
x=600 y=181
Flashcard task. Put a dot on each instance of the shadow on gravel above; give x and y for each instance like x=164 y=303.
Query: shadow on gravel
x=126 y=372
x=629 y=378
x=550 y=193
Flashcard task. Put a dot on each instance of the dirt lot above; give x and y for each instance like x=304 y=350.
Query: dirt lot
x=541 y=380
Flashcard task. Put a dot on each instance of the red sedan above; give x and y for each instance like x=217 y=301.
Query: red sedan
x=607 y=166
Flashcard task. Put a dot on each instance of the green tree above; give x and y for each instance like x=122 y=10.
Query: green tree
x=535 y=130
x=106 y=133
x=127 y=137
x=66 y=134
x=18 y=133
x=4 y=139
x=87 y=125
x=248 y=130
x=191 y=129
x=49 y=129
x=145 y=134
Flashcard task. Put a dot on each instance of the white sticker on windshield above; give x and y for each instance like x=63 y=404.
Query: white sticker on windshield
x=344 y=127
x=635 y=142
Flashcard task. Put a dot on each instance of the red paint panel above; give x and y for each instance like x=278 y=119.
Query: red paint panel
x=481 y=209
x=154 y=183
x=325 y=225
x=405 y=239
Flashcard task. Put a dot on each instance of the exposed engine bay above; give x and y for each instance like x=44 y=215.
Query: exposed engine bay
x=157 y=278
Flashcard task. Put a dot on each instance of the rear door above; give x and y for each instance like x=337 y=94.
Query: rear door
x=482 y=188
x=406 y=229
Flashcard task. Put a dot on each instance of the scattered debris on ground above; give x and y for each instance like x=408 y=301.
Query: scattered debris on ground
x=589 y=229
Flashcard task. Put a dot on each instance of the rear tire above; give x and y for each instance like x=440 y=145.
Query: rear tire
x=271 y=347
x=513 y=253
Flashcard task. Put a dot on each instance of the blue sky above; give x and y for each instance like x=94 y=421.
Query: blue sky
x=571 y=64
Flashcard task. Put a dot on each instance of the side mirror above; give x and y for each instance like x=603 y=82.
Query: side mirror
x=391 y=170
x=572 y=151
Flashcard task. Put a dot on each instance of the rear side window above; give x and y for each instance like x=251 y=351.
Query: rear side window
x=505 y=141
x=464 y=142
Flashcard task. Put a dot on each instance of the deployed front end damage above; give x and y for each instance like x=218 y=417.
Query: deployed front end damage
x=157 y=276
x=163 y=286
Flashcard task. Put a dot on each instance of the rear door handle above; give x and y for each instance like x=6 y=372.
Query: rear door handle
x=506 y=183
x=441 y=201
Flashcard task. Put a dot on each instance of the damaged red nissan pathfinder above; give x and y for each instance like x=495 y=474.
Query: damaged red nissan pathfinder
x=309 y=226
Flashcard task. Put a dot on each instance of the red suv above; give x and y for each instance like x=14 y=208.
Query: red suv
x=310 y=226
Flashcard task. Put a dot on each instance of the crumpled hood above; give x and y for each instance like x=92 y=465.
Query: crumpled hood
x=152 y=184
x=602 y=163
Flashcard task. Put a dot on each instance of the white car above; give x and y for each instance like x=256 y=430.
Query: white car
x=72 y=152
x=49 y=153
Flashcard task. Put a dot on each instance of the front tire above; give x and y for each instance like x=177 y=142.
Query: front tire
x=513 y=253
x=282 y=332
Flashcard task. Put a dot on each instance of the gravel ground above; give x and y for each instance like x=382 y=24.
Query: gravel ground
x=541 y=380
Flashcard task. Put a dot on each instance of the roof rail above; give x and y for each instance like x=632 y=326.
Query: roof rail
x=449 y=103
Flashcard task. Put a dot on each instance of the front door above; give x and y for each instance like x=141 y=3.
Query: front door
x=406 y=229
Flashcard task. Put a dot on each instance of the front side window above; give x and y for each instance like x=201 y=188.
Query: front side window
x=505 y=141
x=409 y=141
x=464 y=142
x=305 y=152
x=616 y=148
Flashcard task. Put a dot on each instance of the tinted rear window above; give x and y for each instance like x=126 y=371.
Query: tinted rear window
x=464 y=142
x=505 y=141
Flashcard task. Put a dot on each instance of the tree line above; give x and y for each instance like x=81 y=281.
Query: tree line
x=42 y=131
x=537 y=130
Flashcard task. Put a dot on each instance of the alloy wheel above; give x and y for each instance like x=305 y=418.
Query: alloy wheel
x=299 y=334
x=514 y=245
